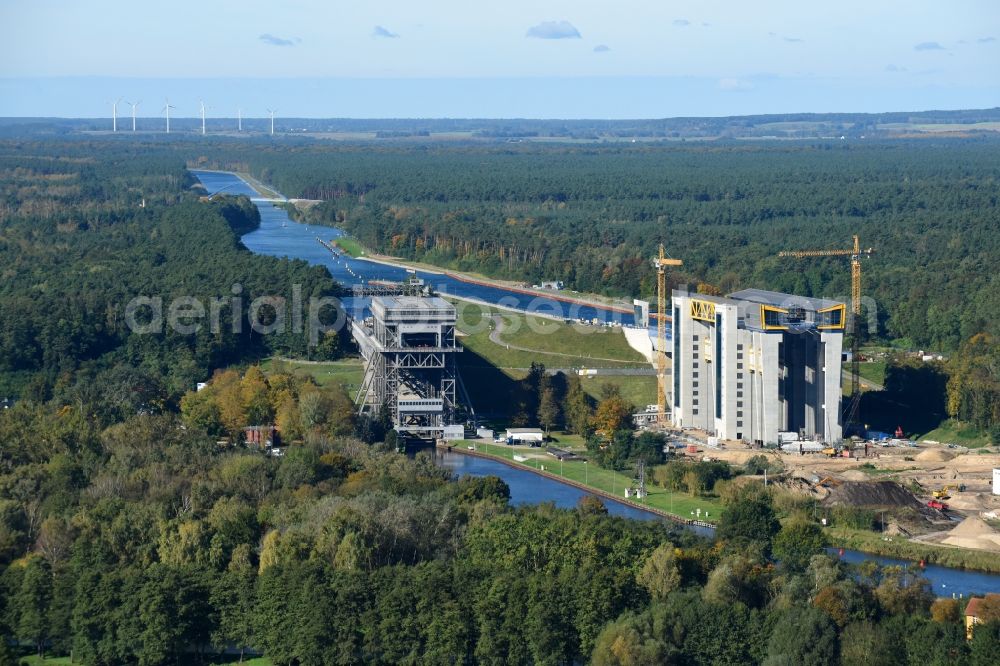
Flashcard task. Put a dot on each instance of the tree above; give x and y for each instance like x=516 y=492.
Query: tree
x=802 y=637
x=627 y=642
x=946 y=611
x=578 y=410
x=904 y=592
x=32 y=603
x=548 y=408
x=660 y=574
x=985 y=644
x=797 y=542
x=233 y=596
x=749 y=521
x=613 y=414
x=868 y=644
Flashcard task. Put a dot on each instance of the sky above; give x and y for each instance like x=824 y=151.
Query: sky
x=516 y=58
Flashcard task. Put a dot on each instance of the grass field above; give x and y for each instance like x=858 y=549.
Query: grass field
x=614 y=483
x=873 y=372
x=955 y=432
x=349 y=246
x=586 y=342
x=556 y=344
x=347 y=372
x=491 y=371
x=638 y=391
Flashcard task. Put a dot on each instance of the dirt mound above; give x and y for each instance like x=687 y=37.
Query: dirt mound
x=872 y=494
x=972 y=526
x=974 y=533
x=934 y=455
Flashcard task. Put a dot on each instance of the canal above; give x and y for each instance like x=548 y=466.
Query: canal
x=526 y=487
x=279 y=236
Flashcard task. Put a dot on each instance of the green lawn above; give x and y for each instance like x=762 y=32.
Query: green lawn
x=566 y=344
x=347 y=372
x=583 y=341
x=349 y=246
x=490 y=371
x=639 y=391
x=873 y=372
x=956 y=432
x=589 y=474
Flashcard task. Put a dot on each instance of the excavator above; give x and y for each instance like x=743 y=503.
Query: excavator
x=944 y=492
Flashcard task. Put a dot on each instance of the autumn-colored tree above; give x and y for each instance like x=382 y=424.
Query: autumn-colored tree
x=946 y=611
x=613 y=414
x=254 y=392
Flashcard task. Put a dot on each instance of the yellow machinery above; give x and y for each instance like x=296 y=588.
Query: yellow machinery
x=855 y=253
x=661 y=263
x=941 y=494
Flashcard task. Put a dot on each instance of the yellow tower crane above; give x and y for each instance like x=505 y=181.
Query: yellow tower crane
x=856 y=254
x=661 y=263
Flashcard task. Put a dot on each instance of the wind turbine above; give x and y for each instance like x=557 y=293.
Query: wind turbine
x=134 y=105
x=202 y=102
x=114 y=114
x=239 y=119
x=272 y=120
x=167 y=109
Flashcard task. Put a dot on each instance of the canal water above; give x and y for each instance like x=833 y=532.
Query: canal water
x=529 y=488
x=279 y=236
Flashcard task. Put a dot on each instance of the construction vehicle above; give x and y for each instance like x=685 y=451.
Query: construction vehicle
x=829 y=482
x=940 y=506
x=661 y=263
x=960 y=487
x=831 y=452
x=941 y=494
x=855 y=253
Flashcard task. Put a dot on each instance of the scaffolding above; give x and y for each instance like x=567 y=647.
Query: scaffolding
x=409 y=349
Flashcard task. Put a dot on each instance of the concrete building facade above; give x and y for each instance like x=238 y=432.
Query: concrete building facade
x=756 y=363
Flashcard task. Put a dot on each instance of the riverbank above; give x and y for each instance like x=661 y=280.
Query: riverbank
x=595 y=480
x=355 y=250
x=678 y=507
x=874 y=543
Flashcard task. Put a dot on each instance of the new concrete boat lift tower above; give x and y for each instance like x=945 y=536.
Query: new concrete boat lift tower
x=409 y=349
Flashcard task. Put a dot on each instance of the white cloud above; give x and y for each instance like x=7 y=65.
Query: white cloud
x=602 y=48
x=384 y=33
x=928 y=46
x=278 y=41
x=553 y=30
x=681 y=23
x=735 y=85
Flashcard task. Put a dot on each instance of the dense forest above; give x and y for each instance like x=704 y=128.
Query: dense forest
x=593 y=216
x=146 y=542
x=84 y=229
x=135 y=529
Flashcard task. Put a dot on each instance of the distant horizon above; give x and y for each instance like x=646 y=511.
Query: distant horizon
x=543 y=98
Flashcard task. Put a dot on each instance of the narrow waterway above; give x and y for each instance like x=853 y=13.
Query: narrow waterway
x=526 y=487
x=281 y=237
